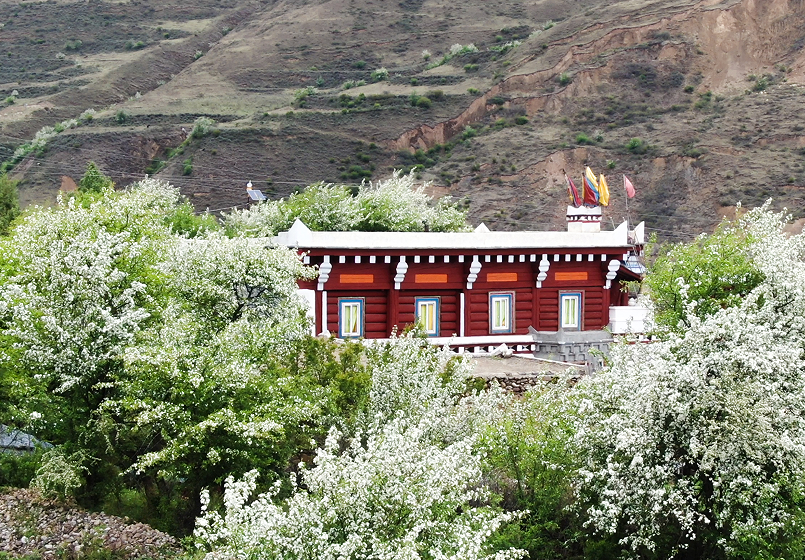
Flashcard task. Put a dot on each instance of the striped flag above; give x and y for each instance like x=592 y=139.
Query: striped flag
x=590 y=188
x=627 y=184
x=573 y=192
x=603 y=190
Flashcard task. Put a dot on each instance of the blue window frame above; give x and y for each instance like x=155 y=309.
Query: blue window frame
x=427 y=314
x=350 y=317
x=501 y=313
x=570 y=311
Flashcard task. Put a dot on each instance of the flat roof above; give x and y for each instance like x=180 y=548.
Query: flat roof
x=299 y=235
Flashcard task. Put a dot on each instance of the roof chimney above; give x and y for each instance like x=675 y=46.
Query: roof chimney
x=584 y=219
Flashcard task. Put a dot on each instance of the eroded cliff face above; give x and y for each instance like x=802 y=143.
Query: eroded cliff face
x=722 y=42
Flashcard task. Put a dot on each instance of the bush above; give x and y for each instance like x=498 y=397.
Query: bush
x=583 y=139
x=564 y=79
x=59 y=475
x=423 y=102
x=94 y=181
x=187 y=166
x=201 y=127
x=379 y=75
x=121 y=117
x=637 y=146
x=9 y=202
x=521 y=119
x=17 y=471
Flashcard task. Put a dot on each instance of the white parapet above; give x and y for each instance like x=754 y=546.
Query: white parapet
x=628 y=319
x=584 y=219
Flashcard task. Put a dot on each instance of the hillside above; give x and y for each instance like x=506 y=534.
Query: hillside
x=699 y=102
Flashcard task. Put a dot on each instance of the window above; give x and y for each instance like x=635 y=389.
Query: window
x=570 y=308
x=350 y=318
x=427 y=314
x=500 y=313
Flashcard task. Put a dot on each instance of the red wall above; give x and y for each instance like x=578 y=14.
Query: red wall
x=537 y=307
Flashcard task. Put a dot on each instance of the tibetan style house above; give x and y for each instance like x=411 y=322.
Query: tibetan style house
x=472 y=290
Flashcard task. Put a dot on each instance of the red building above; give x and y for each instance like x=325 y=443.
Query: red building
x=483 y=288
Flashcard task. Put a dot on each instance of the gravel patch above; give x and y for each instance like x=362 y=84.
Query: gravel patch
x=31 y=524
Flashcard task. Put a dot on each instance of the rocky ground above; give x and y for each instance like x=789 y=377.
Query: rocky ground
x=33 y=526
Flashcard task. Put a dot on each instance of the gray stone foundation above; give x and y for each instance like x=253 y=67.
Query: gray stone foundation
x=572 y=346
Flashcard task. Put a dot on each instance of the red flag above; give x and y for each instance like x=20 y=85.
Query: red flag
x=575 y=199
x=627 y=184
x=590 y=193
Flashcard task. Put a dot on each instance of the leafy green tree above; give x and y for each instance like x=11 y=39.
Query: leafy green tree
x=697 y=279
x=9 y=202
x=94 y=181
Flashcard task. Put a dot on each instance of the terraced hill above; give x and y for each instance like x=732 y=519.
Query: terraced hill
x=699 y=102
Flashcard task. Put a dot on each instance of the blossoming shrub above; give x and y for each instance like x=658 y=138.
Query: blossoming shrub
x=406 y=486
x=695 y=446
x=398 y=496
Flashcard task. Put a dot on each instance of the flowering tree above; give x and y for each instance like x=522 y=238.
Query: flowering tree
x=127 y=339
x=395 y=204
x=695 y=446
x=406 y=487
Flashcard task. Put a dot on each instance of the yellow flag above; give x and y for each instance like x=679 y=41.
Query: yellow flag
x=603 y=191
x=591 y=176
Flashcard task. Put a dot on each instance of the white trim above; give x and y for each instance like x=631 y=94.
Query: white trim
x=525 y=339
x=402 y=270
x=300 y=235
x=461 y=316
x=475 y=268
x=324 y=272
x=614 y=267
x=324 y=326
x=544 y=267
